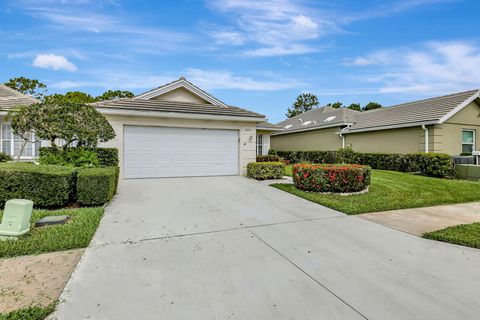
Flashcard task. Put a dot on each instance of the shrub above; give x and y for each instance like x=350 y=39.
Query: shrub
x=96 y=186
x=269 y=158
x=46 y=185
x=106 y=157
x=70 y=157
x=265 y=170
x=331 y=177
x=5 y=157
x=428 y=164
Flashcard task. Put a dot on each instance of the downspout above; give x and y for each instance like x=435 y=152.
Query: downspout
x=425 y=129
x=342 y=136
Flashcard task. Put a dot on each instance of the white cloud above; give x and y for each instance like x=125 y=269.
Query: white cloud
x=54 y=62
x=277 y=27
x=434 y=67
x=205 y=79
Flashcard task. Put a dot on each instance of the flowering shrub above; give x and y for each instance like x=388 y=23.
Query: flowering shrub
x=331 y=177
x=265 y=170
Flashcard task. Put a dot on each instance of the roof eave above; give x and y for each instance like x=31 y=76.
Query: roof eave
x=399 y=126
x=339 y=124
x=161 y=114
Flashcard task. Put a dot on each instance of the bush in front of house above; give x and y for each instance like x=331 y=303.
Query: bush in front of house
x=265 y=170
x=48 y=186
x=268 y=158
x=429 y=164
x=80 y=157
x=337 y=178
x=96 y=186
x=70 y=157
x=5 y=157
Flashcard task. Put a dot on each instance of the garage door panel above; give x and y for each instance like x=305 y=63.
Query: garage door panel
x=155 y=152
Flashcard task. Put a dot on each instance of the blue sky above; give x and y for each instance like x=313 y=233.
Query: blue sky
x=256 y=54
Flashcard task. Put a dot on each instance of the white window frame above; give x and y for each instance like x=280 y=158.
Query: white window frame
x=259 y=146
x=12 y=142
x=473 y=140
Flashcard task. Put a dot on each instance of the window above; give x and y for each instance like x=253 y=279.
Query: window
x=259 y=144
x=11 y=144
x=468 y=141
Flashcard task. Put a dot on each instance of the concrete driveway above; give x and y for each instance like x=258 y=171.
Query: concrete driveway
x=232 y=248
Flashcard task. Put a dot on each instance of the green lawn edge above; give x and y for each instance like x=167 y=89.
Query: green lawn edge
x=392 y=190
x=30 y=313
x=76 y=233
x=467 y=235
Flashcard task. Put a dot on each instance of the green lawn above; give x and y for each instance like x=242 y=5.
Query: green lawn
x=31 y=313
x=77 y=233
x=464 y=234
x=390 y=190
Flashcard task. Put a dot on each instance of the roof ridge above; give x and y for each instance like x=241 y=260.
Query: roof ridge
x=473 y=91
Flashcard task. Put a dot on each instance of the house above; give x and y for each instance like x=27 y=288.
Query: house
x=179 y=130
x=447 y=124
x=10 y=143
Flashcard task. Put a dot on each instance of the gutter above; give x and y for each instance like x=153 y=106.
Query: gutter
x=342 y=136
x=425 y=129
x=150 y=113
x=398 y=126
x=333 y=125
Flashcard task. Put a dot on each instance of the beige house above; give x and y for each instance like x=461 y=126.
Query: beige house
x=179 y=130
x=448 y=124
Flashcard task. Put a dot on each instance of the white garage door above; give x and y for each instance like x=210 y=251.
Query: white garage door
x=156 y=152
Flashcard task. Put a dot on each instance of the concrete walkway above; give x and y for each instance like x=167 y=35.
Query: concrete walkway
x=418 y=221
x=232 y=248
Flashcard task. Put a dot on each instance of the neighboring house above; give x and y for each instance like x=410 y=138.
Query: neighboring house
x=448 y=124
x=179 y=130
x=9 y=142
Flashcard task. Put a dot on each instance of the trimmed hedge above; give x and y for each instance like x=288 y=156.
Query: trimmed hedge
x=107 y=157
x=96 y=186
x=70 y=158
x=47 y=186
x=429 y=164
x=268 y=158
x=331 y=177
x=265 y=170
x=5 y=157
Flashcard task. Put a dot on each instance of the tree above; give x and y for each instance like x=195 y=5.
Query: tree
x=71 y=122
x=336 y=105
x=28 y=86
x=355 y=106
x=70 y=97
x=305 y=102
x=371 y=106
x=23 y=126
x=114 y=94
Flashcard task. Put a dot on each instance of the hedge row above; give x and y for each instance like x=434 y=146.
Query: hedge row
x=80 y=157
x=265 y=170
x=50 y=186
x=429 y=164
x=268 y=158
x=331 y=178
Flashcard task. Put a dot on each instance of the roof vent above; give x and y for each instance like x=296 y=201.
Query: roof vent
x=306 y=123
x=300 y=120
x=288 y=126
x=329 y=119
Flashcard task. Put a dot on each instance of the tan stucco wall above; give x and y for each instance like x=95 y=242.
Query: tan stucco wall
x=407 y=140
x=266 y=140
x=247 y=131
x=324 y=140
x=180 y=95
x=449 y=134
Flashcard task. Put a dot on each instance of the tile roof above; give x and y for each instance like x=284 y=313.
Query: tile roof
x=422 y=111
x=11 y=98
x=173 y=106
x=403 y=115
x=268 y=125
x=318 y=118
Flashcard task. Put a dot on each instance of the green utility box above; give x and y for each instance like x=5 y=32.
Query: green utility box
x=16 y=218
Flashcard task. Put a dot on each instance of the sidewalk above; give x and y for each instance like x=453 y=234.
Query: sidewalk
x=418 y=221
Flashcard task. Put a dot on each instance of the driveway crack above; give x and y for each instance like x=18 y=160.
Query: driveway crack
x=308 y=275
